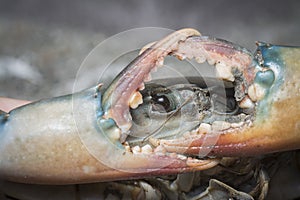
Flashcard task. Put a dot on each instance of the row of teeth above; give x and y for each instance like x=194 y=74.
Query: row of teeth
x=223 y=72
x=204 y=128
x=148 y=149
x=255 y=91
x=136 y=98
x=158 y=149
x=216 y=126
x=161 y=151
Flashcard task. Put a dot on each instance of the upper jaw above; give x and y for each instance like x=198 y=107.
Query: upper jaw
x=274 y=126
x=253 y=85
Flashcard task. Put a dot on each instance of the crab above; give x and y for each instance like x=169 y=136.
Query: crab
x=134 y=129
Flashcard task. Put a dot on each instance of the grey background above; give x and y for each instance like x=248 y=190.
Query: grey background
x=43 y=43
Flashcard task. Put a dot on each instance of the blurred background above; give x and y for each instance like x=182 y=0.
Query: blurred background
x=43 y=43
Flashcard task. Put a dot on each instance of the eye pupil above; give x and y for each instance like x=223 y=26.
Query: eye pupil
x=161 y=103
x=162 y=100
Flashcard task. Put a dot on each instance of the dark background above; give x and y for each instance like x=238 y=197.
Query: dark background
x=43 y=43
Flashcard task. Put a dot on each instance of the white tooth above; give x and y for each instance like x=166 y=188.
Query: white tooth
x=154 y=141
x=160 y=62
x=204 y=128
x=161 y=150
x=142 y=86
x=147 y=46
x=173 y=155
x=135 y=100
x=211 y=61
x=180 y=56
x=190 y=56
x=200 y=59
x=181 y=157
x=246 y=103
x=237 y=125
x=256 y=92
x=192 y=162
x=224 y=72
x=127 y=148
x=115 y=134
x=220 y=125
x=202 y=164
x=194 y=132
x=136 y=149
x=147 y=149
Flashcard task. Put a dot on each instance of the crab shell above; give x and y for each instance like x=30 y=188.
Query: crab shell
x=64 y=140
x=42 y=142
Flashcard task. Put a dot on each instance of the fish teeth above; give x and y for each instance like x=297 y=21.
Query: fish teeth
x=190 y=56
x=200 y=59
x=224 y=72
x=127 y=147
x=160 y=150
x=193 y=162
x=147 y=149
x=136 y=149
x=181 y=157
x=173 y=155
x=246 y=103
x=256 y=92
x=154 y=141
x=160 y=62
x=211 y=61
x=180 y=56
x=194 y=132
x=135 y=100
x=204 y=128
x=115 y=134
x=237 y=125
x=142 y=86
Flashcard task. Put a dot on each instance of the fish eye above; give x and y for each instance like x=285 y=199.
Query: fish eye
x=163 y=103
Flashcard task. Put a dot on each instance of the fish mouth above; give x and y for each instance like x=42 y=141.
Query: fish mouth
x=174 y=108
x=132 y=96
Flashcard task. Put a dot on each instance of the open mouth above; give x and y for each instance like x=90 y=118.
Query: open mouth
x=171 y=110
x=150 y=114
